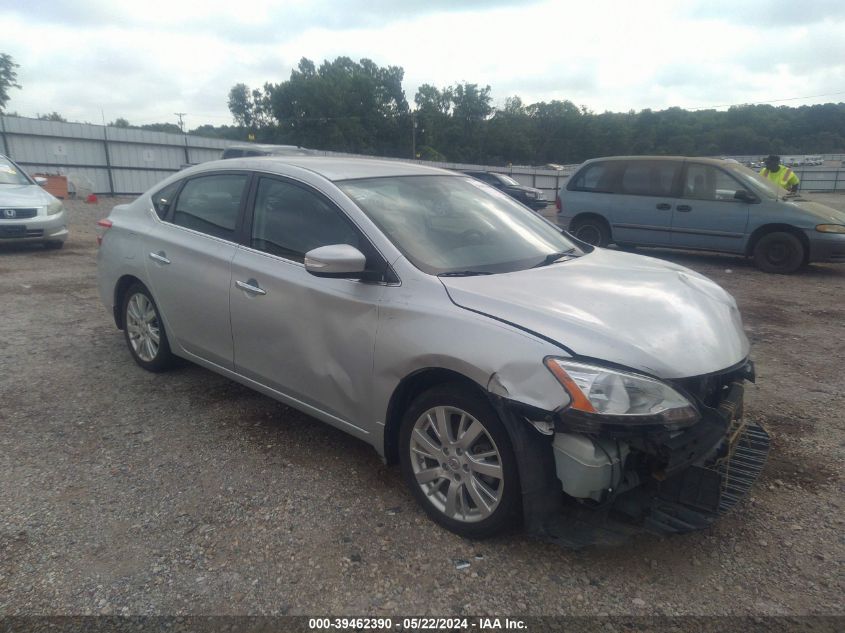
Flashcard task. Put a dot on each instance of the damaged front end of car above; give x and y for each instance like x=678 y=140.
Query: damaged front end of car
x=631 y=452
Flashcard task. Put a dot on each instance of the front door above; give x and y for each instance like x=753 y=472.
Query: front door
x=308 y=338
x=708 y=216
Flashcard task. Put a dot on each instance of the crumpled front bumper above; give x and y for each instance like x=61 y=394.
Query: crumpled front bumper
x=674 y=482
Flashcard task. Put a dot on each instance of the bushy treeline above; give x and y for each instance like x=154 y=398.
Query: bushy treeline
x=361 y=107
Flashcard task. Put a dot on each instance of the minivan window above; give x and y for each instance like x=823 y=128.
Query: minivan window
x=210 y=204
x=164 y=198
x=707 y=182
x=455 y=224
x=649 y=178
x=290 y=220
x=594 y=177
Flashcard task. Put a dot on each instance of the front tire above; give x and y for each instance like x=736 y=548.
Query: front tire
x=779 y=252
x=592 y=230
x=458 y=461
x=144 y=332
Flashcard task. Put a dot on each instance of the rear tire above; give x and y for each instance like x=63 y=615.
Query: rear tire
x=592 y=230
x=144 y=332
x=779 y=252
x=467 y=481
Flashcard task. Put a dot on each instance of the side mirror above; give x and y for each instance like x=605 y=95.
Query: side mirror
x=40 y=180
x=744 y=195
x=336 y=260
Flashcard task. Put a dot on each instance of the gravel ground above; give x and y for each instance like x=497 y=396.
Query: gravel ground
x=125 y=492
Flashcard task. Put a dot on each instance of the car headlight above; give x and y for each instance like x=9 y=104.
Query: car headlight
x=626 y=397
x=54 y=207
x=831 y=228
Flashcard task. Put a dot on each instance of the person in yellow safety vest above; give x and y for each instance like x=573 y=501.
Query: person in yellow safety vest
x=779 y=174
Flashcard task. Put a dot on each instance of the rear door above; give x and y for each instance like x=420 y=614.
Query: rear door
x=188 y=260
x=642 y=211
x=708 y=216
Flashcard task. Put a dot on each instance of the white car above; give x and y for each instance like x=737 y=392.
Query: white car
x=27 y=212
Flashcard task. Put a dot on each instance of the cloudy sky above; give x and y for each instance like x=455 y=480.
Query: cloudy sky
x=146 y=59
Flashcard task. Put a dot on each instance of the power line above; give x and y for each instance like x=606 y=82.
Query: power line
x=730 y=105
x=180 y=115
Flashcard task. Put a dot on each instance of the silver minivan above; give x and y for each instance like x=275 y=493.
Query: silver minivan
x=514 y=373
x=698 y=204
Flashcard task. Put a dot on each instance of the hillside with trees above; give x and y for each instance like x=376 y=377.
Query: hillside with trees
x=361 y=107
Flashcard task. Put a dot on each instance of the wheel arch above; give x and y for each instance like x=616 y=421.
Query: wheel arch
x=583 y=215
x=775 y=227
x=120 y=288
x=404 y=394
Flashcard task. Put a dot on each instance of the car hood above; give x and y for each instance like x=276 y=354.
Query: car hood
x=635 y=311
x=23 y=196
x=824 y=213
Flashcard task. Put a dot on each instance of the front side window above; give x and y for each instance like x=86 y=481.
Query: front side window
x=649 y=178
x=706 y=182
x=290 y=220
x=455 y=224
x=209 y=204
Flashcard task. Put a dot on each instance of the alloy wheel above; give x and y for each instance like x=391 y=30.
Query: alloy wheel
x=457 y=464
x=143 y=327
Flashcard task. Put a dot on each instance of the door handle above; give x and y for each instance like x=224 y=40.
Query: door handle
x=159 y=257
x=664 y=206
x=251 y=286
x=684 y=208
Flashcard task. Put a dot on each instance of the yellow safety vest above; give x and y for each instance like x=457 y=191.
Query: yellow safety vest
x=784 y=177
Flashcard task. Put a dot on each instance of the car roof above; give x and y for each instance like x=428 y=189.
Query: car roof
x=698 y=159
x=331 y=167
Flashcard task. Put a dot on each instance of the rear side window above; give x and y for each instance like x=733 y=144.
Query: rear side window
x=649 y=178
x=210 y=204
x=290 y=220
x=597 y=177
x=163 y=199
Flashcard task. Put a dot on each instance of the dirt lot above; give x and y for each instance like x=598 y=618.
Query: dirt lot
x=129 y=493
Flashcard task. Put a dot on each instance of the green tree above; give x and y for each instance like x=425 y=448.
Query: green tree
x=52 y=116
x=120 y=122
x=8 y=78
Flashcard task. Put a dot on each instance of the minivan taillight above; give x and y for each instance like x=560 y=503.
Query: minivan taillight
x=558 y=205
x=105 y=223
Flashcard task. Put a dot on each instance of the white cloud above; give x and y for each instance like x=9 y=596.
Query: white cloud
x=145 y=61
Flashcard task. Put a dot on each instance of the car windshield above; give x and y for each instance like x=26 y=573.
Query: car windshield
x=11 y=175
x=457 y=225
x=755 y=181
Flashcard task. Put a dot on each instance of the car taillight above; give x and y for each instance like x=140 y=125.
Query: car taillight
x=105 y=223
x=558 y=205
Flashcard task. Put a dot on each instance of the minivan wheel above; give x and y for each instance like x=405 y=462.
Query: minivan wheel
x=144 y=331
x=779 y=252
x=592 y=231
x=457 y=459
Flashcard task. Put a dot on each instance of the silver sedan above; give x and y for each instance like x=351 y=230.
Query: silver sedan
x=515 y=373
x=27 y=212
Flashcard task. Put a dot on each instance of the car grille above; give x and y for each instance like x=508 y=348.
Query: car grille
x=8 y=213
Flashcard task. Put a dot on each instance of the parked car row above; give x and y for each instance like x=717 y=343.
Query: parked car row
x=699 y=204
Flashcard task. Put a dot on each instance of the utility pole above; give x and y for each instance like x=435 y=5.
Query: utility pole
x=180 y=115
x=413 y=134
